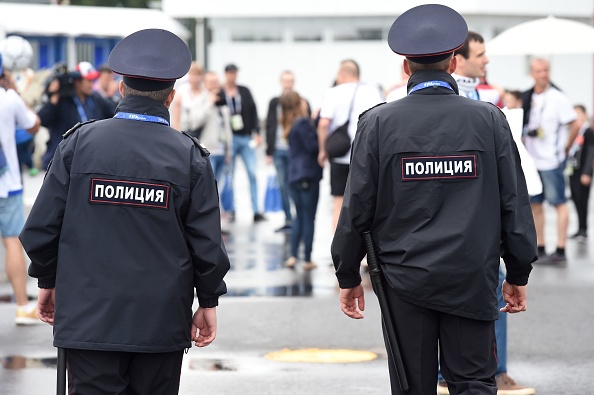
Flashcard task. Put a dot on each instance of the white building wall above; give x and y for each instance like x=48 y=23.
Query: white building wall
x=314 y=65
x=315 y=62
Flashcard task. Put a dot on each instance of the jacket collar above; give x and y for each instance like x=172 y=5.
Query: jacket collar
x=424 y=76
x=143 y=105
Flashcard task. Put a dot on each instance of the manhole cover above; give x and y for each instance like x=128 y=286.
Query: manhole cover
x=318 y=355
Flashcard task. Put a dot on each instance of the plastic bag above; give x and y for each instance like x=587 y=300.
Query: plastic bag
x=273 y=200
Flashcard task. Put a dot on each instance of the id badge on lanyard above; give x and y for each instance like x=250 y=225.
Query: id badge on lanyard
x=236 y=122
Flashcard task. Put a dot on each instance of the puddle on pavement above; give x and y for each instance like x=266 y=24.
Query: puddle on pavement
x=8 y=298
x=288 y=290
x=15 y=362
x=212 y=365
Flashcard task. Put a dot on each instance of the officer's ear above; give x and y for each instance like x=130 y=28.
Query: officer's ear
x=121 y=88
x=405 y=67
x=453 y=64
x=170 y=98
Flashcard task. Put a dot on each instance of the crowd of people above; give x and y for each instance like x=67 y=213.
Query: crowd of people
x=222 y=114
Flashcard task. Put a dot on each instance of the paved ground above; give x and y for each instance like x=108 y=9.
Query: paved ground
x=270 y=308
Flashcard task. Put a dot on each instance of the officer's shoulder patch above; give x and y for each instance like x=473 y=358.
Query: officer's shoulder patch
x=199 y=144
x=371 y=108
x=73 y=129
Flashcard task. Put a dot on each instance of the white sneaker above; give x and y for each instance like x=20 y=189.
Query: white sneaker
x=27 y=315
x=291 y=262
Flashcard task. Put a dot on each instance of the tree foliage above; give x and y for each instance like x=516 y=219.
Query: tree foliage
x=113 y=3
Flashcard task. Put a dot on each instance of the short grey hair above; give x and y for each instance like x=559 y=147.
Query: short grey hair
x=160 y=95
x=442 y=65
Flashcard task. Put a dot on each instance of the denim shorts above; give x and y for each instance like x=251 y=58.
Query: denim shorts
x=553 y=186
x=12 y=217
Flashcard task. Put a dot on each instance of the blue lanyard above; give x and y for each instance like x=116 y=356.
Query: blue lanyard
x=141 y=117
x=81 y=110
x=429 y=84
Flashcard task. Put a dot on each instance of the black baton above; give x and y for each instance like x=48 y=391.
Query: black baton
x=61 y=390
x=375 y=273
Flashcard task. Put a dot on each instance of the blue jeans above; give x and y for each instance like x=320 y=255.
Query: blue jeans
x=12 y=215
x=217 y=162
x=241 y=146
x=500 y=330
x=25 y=153
x=305 y=195
x=553 y=186
x=281 y=163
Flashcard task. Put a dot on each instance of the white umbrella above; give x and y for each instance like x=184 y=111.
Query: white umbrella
x=547 y=36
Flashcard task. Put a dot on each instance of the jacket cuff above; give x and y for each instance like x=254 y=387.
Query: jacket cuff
x=47 y=283
x=208 y=303
x=348 y=281
x=517 y=279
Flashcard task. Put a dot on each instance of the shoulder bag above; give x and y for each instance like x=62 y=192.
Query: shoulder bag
x=338 y=143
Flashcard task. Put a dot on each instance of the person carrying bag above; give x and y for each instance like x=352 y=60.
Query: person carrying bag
x=338 y=143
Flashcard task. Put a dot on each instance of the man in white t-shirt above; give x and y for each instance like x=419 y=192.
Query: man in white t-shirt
x=400 y=90
x=471 y=67
x=334 y=113
x=14 y=113
x=549 y=130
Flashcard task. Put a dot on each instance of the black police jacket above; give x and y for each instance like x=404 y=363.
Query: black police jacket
x=126 y=225
x=437 y=179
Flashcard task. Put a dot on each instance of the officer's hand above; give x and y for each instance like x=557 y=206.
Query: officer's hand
x=46 y=303
x=204 y=326
x=586 y=180
x=515 y=297
x=350 y=298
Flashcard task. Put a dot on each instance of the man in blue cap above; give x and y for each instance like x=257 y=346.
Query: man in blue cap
x=125 y=229
x=436 y=179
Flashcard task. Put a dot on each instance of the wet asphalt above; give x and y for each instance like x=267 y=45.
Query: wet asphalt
x=271 y=308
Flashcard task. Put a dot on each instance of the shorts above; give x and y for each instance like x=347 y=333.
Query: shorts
x=553 y=187
x=12 y=217
x=338 y=178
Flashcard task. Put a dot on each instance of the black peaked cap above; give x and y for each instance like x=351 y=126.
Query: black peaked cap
x=428 y=31
x=153 y=55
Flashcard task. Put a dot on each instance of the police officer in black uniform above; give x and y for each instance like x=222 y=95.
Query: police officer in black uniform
x=436 y=178
x=126 y=226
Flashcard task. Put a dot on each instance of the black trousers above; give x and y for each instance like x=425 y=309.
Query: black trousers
x=122 y=373
x=580 y=194
x=466 y=347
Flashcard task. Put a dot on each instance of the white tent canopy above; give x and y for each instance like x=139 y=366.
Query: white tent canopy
x=546 y=36
x=74 y=21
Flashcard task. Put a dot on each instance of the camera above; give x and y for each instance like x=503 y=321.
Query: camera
x=65 y=78
x=535 y=133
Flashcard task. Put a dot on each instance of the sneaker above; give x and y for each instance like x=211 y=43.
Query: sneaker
x=507 y=386
x=33 y=171
x=27 y=315
x=291 y=262
x=442 y=388
x=307 y=266
x=557 y=258
x=581 y=236
x=284 y=229
x=259 y=217
x=543 y=259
